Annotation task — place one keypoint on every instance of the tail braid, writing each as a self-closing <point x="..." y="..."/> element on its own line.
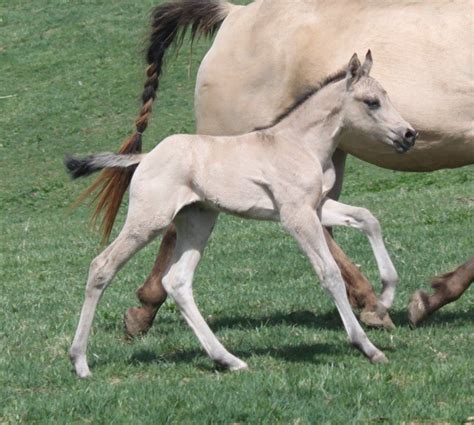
<point x="170" y="22"/>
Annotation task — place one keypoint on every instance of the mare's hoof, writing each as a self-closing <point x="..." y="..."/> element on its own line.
<point x="378" y="358"/>
<point x="136" y="322"/>
<point x="418" y="307"/>
<point x="373" y="320"/>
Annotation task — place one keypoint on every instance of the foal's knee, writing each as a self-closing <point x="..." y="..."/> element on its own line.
<point x="100" y="273"/>
<point x="176" y="284"/>
<point x="332" y="279"/>
<point x="367" y="221"/>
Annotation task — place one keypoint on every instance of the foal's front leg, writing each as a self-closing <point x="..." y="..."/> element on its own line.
<point x="304" y="225"/>
<point x="334" y="213"/>
<point x="194" y="226"/>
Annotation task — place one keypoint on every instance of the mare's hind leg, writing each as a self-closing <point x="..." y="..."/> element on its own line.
<point x="102" y="270"/>
<point x="448" y="288"/>
<point x="335" y="213"/>
<point x="304" y="225"/>
<point x="151" y="294"/>
<point x="194" y="225"/>
<point x="359" y="289"/>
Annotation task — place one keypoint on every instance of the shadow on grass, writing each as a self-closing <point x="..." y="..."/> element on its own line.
<point x="304" y="318"/>
<point x="303" y="353"/>
<point x="439" y="318"/>
<point x="326" y="321"/>
<point x="329" y="320"/>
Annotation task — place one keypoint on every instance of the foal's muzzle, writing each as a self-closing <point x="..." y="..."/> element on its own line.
<point x="405" y="143"/>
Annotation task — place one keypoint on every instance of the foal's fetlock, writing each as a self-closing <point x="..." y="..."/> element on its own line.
<point x="79" y="361"/>
<point x="363" y="344"/>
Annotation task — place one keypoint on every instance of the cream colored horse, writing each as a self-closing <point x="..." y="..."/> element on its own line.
<point x="269" y="52"/>
<point x="280" y="173"/>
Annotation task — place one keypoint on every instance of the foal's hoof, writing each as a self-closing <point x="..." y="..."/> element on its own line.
<point x="136" y="322"/>
<point x="80" y="366"/>
<point x="233" y="364"/>
<point x="83" y="374"/>
<point x="239" y="367"/>
<point x="418" y="307"/>
<point x="378" y="358"/>
<point x="373" y="320"/>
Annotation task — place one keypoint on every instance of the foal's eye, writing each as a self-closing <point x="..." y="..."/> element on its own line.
<point x="372" y="103"/>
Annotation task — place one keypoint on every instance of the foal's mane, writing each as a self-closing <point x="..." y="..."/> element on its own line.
<point x="306" y="95"/>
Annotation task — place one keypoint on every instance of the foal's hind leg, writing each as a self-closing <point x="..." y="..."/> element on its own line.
<point x="304" y="225"/>
<point x="102" y="270"/>
<point x="335" y="213"/>
<point x="194" y="226"/>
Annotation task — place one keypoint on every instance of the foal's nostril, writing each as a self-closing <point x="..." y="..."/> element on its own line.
<point x="410" y="136"/>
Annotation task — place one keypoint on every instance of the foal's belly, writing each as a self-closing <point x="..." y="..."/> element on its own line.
<point x="247" y="201"/>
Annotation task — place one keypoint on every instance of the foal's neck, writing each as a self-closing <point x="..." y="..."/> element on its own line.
<point x="316" y="125"/>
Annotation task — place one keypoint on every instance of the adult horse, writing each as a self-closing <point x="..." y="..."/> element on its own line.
<point x="269" y="52"/>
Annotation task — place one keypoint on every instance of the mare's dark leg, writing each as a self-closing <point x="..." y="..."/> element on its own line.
<point x="359" y="290"/>
<point x="448" y="288"/>
<point x="151" y="294"/>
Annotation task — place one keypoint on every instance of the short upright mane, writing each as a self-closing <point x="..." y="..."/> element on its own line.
<point x="310" y="92"/>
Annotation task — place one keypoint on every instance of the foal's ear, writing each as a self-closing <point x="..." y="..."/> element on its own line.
<point x="367" y="66"/>
<point x="353" y="70"/>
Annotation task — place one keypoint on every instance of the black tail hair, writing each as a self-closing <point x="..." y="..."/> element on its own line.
<point x="80" y="166"/>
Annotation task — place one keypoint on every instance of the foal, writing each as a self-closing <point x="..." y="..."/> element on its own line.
<point x="280" y="173"/>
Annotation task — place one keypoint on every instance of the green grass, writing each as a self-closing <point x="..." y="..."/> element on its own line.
<point x="73" y="72"/>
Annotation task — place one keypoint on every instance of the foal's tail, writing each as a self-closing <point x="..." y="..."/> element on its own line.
<point x="170" y="23"/>
<point x="87" y="165"/>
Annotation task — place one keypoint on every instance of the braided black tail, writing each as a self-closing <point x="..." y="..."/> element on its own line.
<point x="169" y="24"/>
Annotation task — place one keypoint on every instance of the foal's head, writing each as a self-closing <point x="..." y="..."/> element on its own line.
<point x="368" y="110"/>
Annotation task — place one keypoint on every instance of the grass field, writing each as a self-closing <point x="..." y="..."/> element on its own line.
<point x="70" y="79"/>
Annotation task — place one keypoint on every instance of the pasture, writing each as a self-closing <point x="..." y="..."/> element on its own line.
<point x="71" y="75"/>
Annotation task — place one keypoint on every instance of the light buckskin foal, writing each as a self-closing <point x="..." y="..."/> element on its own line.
<point x="280" y="173"/>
